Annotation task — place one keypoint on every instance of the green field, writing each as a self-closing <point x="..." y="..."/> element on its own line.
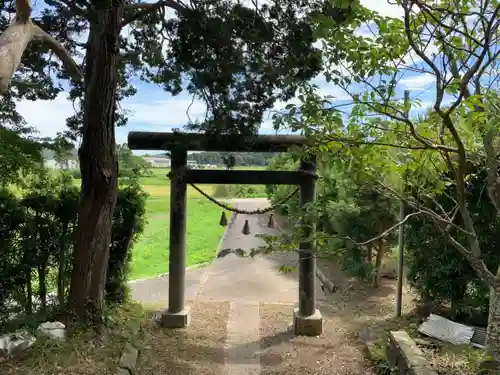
<point x="150" y="253"/>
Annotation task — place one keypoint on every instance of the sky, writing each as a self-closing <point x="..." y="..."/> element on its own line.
<point x="152" y="109"/>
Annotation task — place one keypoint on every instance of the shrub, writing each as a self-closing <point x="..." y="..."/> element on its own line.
<point x="36" y="243"/>
<point x="239" y="191"/>
<point x="128" y="224"/>
<point x="75" y="173"/>
<point x="439" y="272"/>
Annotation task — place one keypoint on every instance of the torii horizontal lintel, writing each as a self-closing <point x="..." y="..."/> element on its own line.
<point x="246" y="177"/>
<point x="223" y="143"/>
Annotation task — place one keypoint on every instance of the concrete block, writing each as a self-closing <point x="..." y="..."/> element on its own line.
<point x="311" y="325"/>
<point x="176" y="320"/>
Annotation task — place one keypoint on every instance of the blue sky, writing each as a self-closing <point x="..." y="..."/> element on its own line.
<point x="154" y="110"/>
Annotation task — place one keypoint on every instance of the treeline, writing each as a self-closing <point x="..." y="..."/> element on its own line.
<point x="240" y="159"/>
<point x="243" y="158"/>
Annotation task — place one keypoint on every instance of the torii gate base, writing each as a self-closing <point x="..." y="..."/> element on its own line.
<point x="307" y="319"/>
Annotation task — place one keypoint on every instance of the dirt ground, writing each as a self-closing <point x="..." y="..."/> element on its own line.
<point x="242" y="315"/>
<point x="202" y="349"/>
<point x="220" y="343"/>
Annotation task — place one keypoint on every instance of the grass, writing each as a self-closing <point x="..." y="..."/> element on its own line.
<point x="80" y="353"/>
<point x="150" y="253"/>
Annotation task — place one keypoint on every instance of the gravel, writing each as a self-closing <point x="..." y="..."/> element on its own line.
<point x="198" y="349"/>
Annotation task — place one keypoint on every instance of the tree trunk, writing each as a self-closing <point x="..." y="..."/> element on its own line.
<point x="29" y="293"/>
<point x="98" y="163"/>
<point x="378" y="266"/>
<point x="13" y="42"/>
<point x="62" y="265"/>
<point x="42" y="285"/>
<point x="493" y="331"/>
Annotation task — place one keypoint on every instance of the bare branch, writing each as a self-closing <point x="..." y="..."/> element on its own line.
<point x="476" y="262"/>
<point x="477" y="64"/>
<point x="13" y="42"/>
<point x="386" y="232"/>
<point x="401" y="117"/>
<point x="142" y="9"/>
<point x="422" y="55"/>
<point x="61" y="52"/>
<point x="15" y="39"/>
<point x="333" y="138"/>
<point x="427" y="9"/>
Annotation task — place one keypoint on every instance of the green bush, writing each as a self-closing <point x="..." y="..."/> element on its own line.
<point x="36" y="243"/>
<point x="75" y="173"/>
<point x="239" y="191"/>
<point x="128" y="224"/>
<point x="344" y="208"/>
<point x="439" y="272"/>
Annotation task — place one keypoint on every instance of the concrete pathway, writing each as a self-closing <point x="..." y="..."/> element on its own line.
<point x="261" y="300"/>
<point x="244" y="282"/>
<point x="232" y="278"/>
<point x="250" y="279"/>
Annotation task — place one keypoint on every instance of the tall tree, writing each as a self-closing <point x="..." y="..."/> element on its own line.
<point x="455" y="46"/>
<point x="240" y="59"/>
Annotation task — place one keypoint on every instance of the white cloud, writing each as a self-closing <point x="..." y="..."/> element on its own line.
<point x="419" y="82"/>
<point x="383" y="7"/>
<point x="47" y="116"/>
<point x="166" y="113"/>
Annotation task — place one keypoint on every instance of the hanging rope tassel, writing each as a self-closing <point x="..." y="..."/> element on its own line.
<point x="270" y="223"/>
<point x="246" y="228"/>
<point x="223" y="219"/>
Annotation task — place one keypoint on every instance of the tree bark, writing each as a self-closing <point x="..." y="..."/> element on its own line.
<point x="98" y="164"/>
<point x="29" y="293"/>
<point x="369" y="257"/>
<point x="42" y="285"/>
<point x="13" y="43"/>
<point x="493" y="330"/>
<point x="61" y="265"/>
<point x="378" y="266"/>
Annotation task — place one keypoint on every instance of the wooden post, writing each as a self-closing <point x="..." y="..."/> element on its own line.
<point x="401" y="237"/>
<point x="307" y="319"/>
<point x="177" y="316"/>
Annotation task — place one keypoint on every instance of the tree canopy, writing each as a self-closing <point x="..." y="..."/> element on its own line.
<point x="239" y="58"/>
<point x="455" y="45"/>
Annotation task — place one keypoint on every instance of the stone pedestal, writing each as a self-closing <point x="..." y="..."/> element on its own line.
<point x="176" y="320"/>
<point x="311" y="325"/>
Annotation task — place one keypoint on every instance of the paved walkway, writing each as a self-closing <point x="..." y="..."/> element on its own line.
<point x="232" y="278"/>
<point x="247" y="285"/>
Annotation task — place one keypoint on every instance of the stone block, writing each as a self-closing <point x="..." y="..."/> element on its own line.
<point x="128" y="358"/>
<point x="311" y="325"/>
<point x="176" y="320"/>
<point x="122" y="371"/>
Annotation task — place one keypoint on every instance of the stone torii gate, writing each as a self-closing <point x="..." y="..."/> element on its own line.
<point x="307" y="319"/>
